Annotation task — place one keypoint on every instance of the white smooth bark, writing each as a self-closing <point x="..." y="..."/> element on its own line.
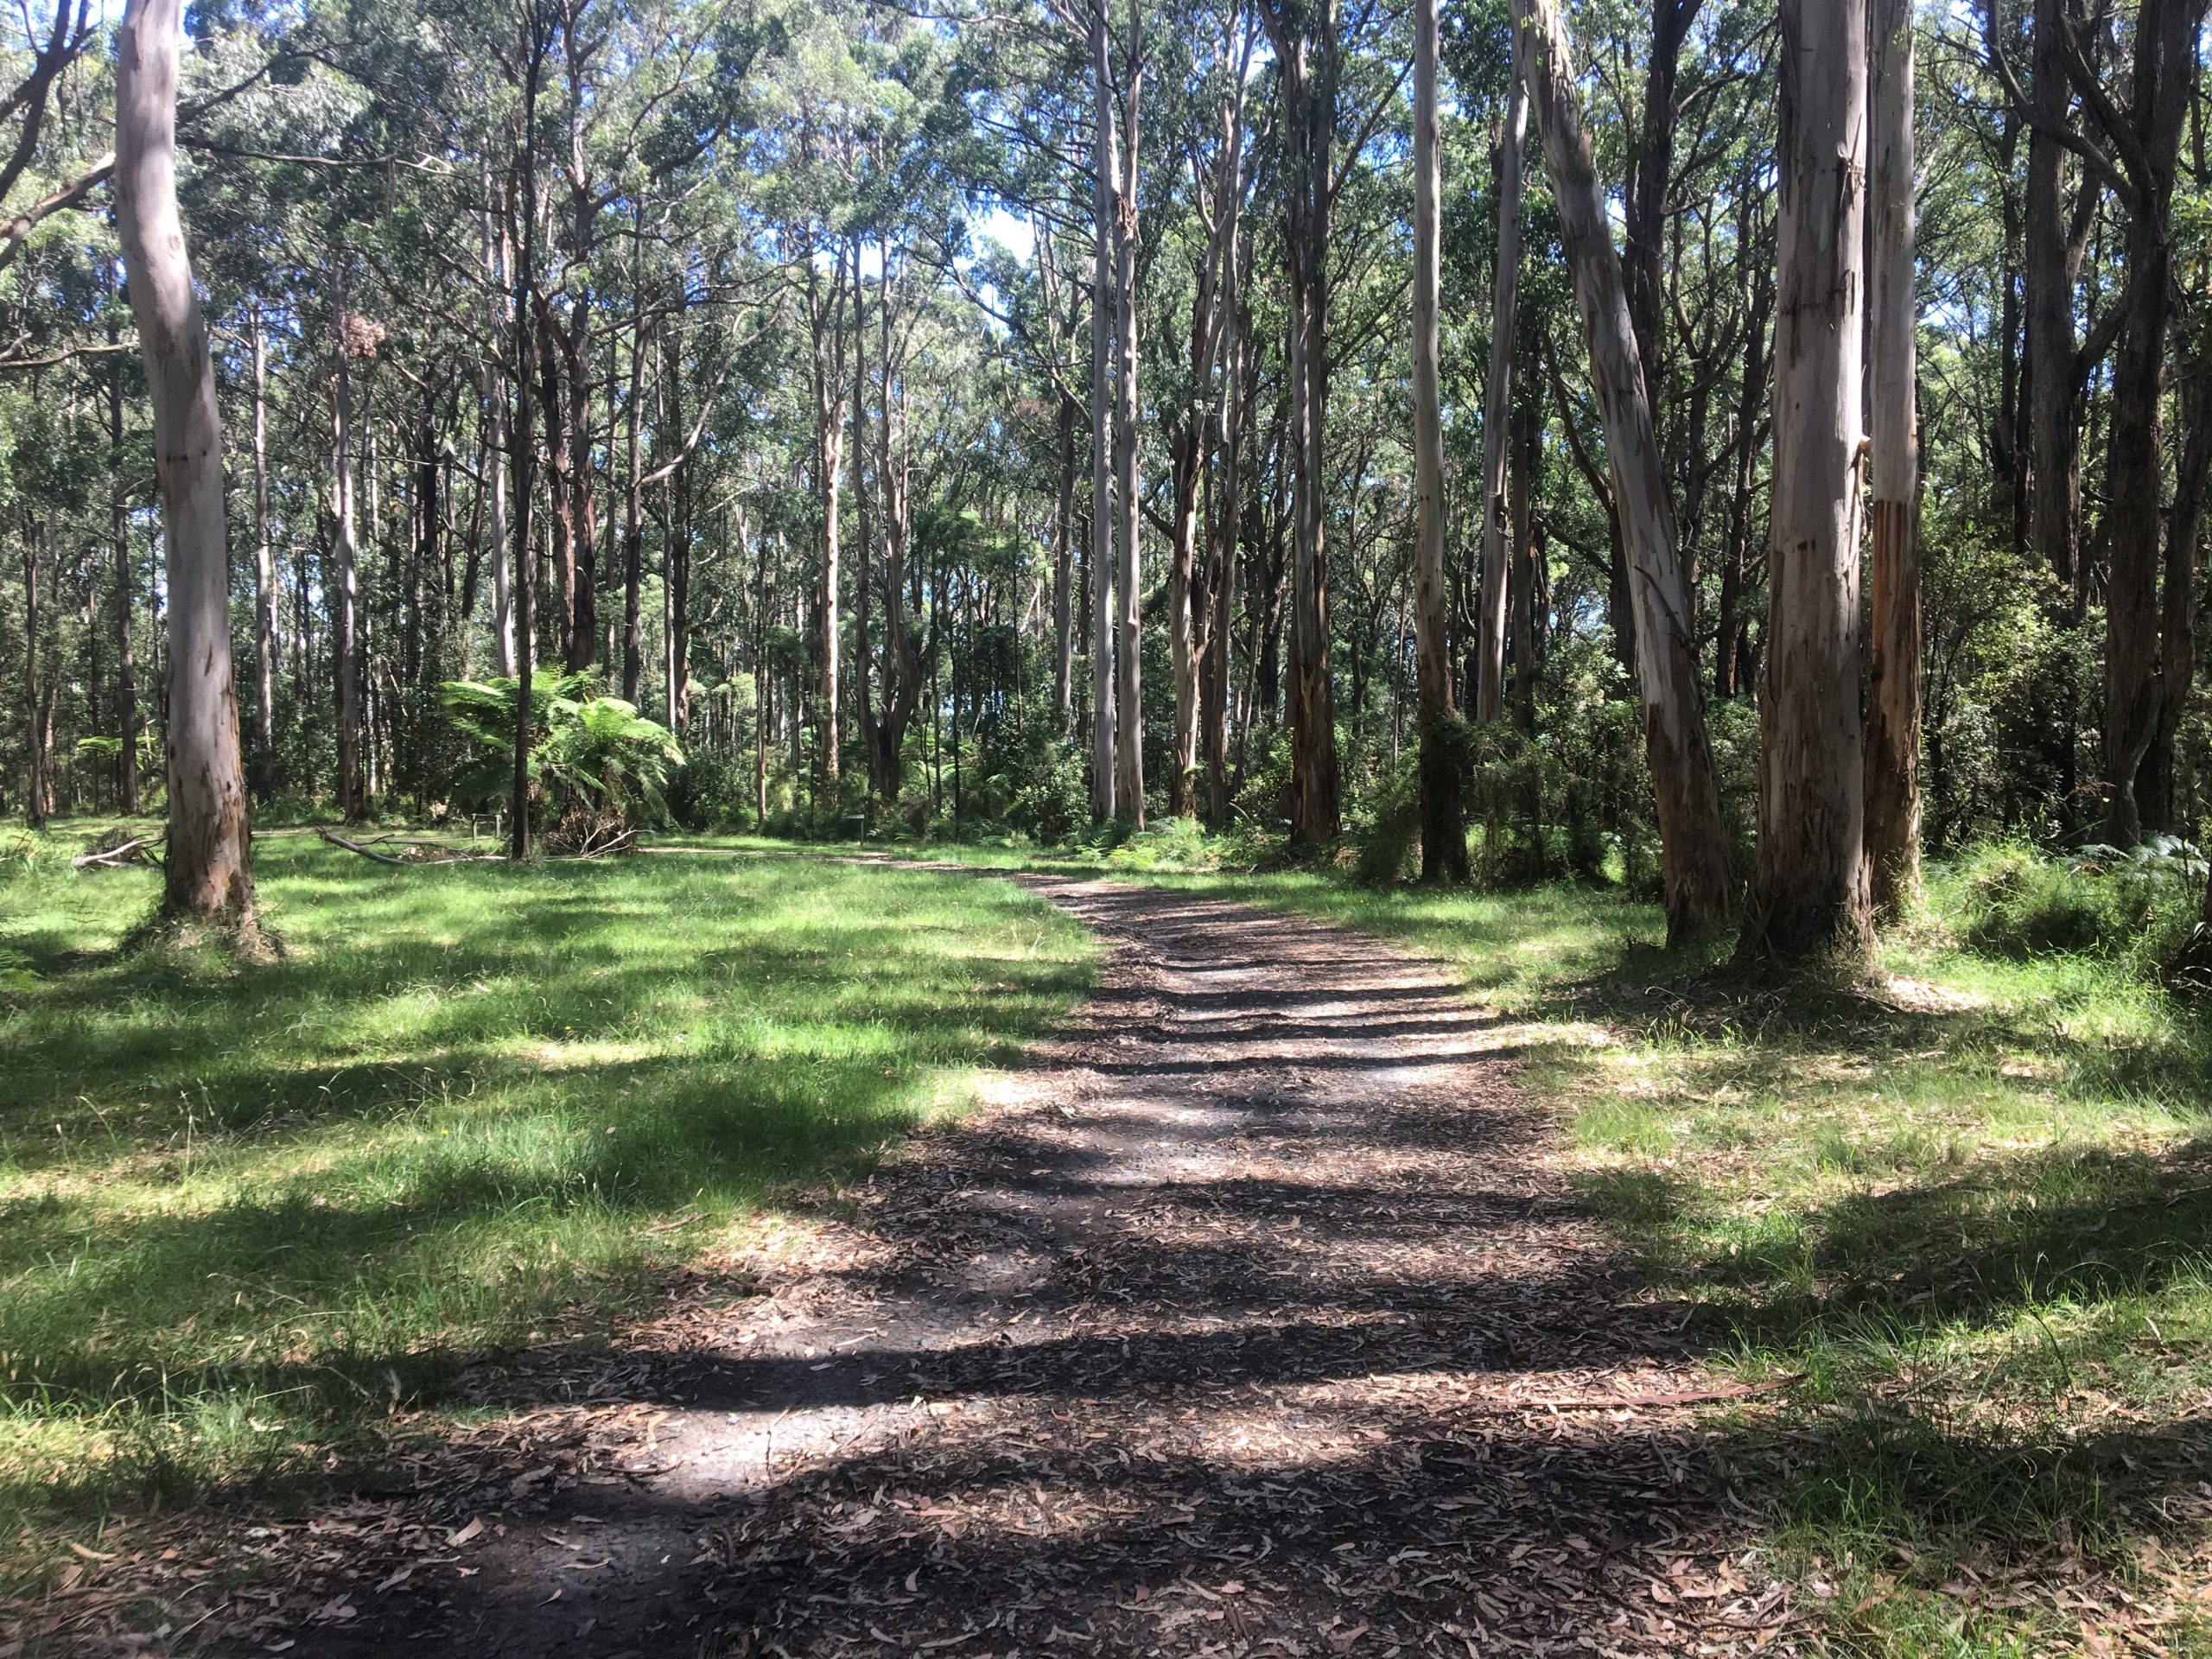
<point x="1103" y="172"/>
<point x="209" y="875"/>
<point x="1693" y="836"/>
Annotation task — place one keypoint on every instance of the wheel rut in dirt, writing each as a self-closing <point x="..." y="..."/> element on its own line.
<point x="1237" y="1321"/>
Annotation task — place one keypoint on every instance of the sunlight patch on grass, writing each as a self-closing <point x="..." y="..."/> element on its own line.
<point x="469" y="1106"/>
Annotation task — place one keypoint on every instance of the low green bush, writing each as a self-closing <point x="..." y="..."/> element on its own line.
<point x="2009" y="899"/>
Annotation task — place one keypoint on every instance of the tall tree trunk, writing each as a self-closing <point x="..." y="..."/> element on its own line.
<point x="1728" y="674"/>
<point x="265" y="574"/>
<point x="1529" y="590"/>
<point x="1104" y="172"/>
<point x="495" y="444"/>
<point x="126" y="666"/>
<point x="2053" y="263"/>
<point x="1062" y="569"/>
<point x="827" y="326"/>
<point x="1443" y="822"/>
<point x="902" y="658"/>
<point x="1186" y="464"/>
<point x="633" y="532"/>
<point x="1128" y="731"/>
<point x="1893" y="657"/>
<point x="863" y="533"/>
<point x="1693" y="841"/>
<point x="1497" y="399"/>
<point x="1228" y="534"/>
<point x="2154" y="787"/>
<point x="2164" y="67"/>
<point x="38" y="783"/>
<point x="1306" y="47"/>
<point x="1809" y="889"/>
<point x="208" y="874"/>
<point x="525" y="455"/>
<point x="346" y="644"/>
<point x="1645" y="221"/>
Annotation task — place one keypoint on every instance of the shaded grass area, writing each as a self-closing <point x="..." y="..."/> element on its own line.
<point x="244" y="1211"/>
<point x="1970" y="1203"/>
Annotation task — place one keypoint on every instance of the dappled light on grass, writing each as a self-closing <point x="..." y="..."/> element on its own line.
<point x="1969" y="1203"/>
<point x="243" y="1212"/>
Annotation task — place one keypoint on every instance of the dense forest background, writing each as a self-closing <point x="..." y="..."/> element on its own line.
<point x="782" y="339"/>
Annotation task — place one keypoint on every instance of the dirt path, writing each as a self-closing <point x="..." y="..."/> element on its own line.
<point x="1229" y="1328"/>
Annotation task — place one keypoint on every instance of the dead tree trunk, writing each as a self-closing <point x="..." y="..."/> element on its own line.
<point x="1694" y="842"/>
<point x="1809" y="890"/>
<point x="208" y="875"/>
<point x="1893" y="656"/>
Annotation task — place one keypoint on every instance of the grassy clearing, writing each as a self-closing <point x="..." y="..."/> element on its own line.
<point x="1972" y="1207"/>
<point x="244" y="1212"/>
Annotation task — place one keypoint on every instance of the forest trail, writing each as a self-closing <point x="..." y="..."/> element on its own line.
<point x="1248" y="1317"/>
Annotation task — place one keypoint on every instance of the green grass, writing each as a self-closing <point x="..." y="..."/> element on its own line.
<point x="1971" y="1203"/>
<point x="246" y="1212"/>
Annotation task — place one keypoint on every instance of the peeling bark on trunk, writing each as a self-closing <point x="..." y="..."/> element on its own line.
<point x="1892" y="753"/>
<point x="1809" y="890"/>
<point x="1693" y="836"/>
<point x="208" y="875"/>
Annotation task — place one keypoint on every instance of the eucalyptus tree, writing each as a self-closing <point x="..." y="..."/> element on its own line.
<point x="1809" y="892"/>
<point x="207" y="875"/>
<point x="1892" y="751"/>
<point x="1694" y="839"/>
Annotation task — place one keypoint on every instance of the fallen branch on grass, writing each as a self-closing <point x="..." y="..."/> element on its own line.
<point x="428" y="852"/>
<point x="594" y="843"/>
<point x="137" y="850"/>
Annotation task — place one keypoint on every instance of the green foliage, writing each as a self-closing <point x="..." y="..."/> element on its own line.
<point x="713" y="791"/>
<point x="1053" y="800"/>
<point x="2009" y="899"/>
<point x="587" y="749"/>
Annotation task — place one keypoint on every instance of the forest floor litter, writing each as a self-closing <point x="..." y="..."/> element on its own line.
<point x="1252" y="1317"/>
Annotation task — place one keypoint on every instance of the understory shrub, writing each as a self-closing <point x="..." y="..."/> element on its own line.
<point x="2010" y="898"/>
